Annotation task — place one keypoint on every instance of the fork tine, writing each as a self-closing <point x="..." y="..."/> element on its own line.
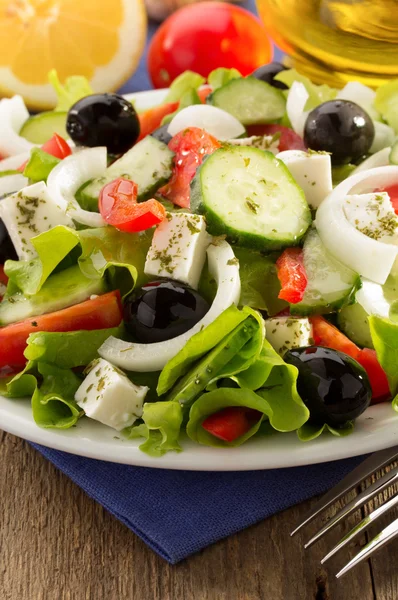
<point x="361" y="526"/>
<point x="380" y="540"/>
<point x="378" y="486"/>
<point x="367" y="467"/>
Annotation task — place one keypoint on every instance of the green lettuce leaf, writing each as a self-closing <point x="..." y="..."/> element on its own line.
<point x="70" y="349"/>
<point x="73" y="89"/>
<point x="40" y="165"/>
<point x="341" y="172"/>
<point x="185" y="82"/>
<point x="386" y="102"/>
<point x="385" y="341"/>
<point x="214" y="401"/>
<point x="317" y="93"/>
<point x="276" y="382"/>
<point x="222" y="76"/>
<point x="103" y="250"/>
<point x="161" y="428"/>
<point x="52" y="391"/>
<point x="198" y="345"/>
<point x="310" y="431"/>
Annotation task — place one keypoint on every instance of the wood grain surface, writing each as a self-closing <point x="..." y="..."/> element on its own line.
<point x="58" y="544"/>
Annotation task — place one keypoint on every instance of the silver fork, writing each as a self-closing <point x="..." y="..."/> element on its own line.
<point x="368" y="467"/>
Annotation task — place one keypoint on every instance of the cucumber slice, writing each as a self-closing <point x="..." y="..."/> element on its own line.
<point x="149" y="164"/>
<point x="331" y="285"/>
<point x="250" y="100"/>
<point x="61" y="290"/>
<point x="353" y="321"/>
<point x="40" y="128"/>
<point x="250" y="196"/>
<point x="393" y="156"/>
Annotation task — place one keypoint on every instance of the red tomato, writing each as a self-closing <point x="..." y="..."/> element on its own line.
<point x="204" y="36"/>
<point x="292" y="275"/>
<point x="326" y="334"/>
<point x="289" y="140"/>
<point x="190" y="147"/>
<point x="100" y="313"/>
<point x="231" y="423"/>
<point x="392" y="191"/>
<point x="3" y="276"/>
<point x="119" y="207"/>
<point x="377" y="377"/>
<point x="56" y="146"/>
<point x="152" y="118"/>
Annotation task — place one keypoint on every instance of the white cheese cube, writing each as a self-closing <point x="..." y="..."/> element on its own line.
<point x="29" y="212"/>
<point x="312" y="171"/>
<point x="108" y="396"/>
<point x="178" y="249"/>
<point x="284" y="333"/>
<point x="373" y="215"/>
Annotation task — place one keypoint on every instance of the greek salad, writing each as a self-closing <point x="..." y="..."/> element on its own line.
<point x="219" y="266"/>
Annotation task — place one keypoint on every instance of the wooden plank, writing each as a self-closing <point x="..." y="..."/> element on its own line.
<point x="56" y="543"/>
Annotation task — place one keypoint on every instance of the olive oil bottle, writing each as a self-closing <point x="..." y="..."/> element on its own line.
<point x="335" y="41"/>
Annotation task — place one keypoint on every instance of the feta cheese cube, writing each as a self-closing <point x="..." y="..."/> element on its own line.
<point x="284" y="333"/>
<point x="28" y="213"/>
<point x="108" y="396"/>
<point x="178" y="249"/>
<point x="373" y="215"/>
<point x="312" y="171"/>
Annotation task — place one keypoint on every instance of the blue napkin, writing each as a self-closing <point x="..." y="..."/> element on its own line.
<point x="177" y="513"/>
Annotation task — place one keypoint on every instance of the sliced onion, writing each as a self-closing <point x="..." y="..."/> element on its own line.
<point x="153" y="357"/>
<point x="69" y="175"/>
<point x="371" y="298"/>
<point x="368" y="257"/>
<point x="362" y="95"/>
<point x="295" y="105"/>
<point x="380" y="159"/>
<point x="384" y="136"/>
<point x="14" y="162"/>
<point x="215" y="121"/>
<point x="13" y="114"/>
<point x="12" y="183"/>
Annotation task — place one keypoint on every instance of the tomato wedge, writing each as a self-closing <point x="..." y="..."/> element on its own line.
<point x="152" y="118"/>
<point x="289" y="140"/>
<point x="99" y="313"/>
<point x="392" y="191"/>
<point x="56" y="146"/>
<point x="292" y="275"/>
<point x="119" y="207"/>
<point x="190" y="147"/>
<point x="231" y="423"/>
<point x="325" y="334"/>
<point x="377" y="377"/>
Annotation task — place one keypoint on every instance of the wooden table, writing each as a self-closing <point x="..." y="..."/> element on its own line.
<point x="57" y="544"/>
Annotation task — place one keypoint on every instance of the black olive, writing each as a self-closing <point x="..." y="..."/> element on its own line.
<point x="162" y="310"/>
<point x="340" y="127"/>
<point x="7" y="250"/>
<point x="267" y="73"/>
<point x="334" y="386"/>
<point x="104" y="120"/>
<point x="162" y="134"/>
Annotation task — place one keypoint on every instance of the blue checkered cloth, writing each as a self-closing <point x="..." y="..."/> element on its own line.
<point x="177" y="513"/>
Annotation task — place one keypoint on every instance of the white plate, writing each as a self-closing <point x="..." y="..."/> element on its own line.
<point x="376" y="429"/>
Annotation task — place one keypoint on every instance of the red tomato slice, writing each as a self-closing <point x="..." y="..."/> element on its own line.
<point x="392" y="191"/>
<point x="100" y="313"/>
<point x="289" y="140"/>
<point x="3" y="276"/>
<point x="326" y="334"/>
<point x="152" y="118"/>
<point x="190" y="147"/>
<point x="56" y="146"/>
<point x="204" y="92"/>
<point x="292" y="275"/>
<point x="231" y="423"/>
<point x="377" y="377"/>
<point x="118" y="207"/>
